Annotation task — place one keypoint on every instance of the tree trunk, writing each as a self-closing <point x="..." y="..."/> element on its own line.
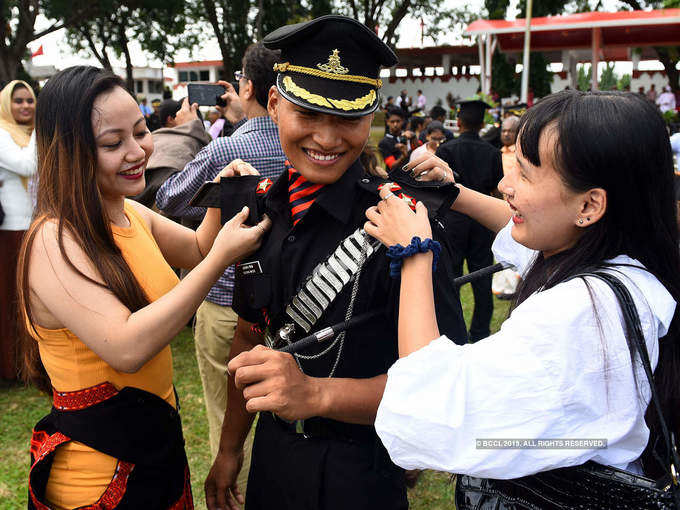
<point x="397" y="16"/>
<point x="669" y="58"/>
<point x="129" y="78"/>
<point x="211" y="12"/>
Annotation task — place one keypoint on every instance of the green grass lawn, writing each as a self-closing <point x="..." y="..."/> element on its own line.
<point x="21" y="408"/>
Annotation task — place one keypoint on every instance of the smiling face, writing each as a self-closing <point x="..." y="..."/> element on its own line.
<point x="22" y="106"/>
<point x="320" y="146"/>
<point x="123" y="144"/>
<point x="546" y="212"/>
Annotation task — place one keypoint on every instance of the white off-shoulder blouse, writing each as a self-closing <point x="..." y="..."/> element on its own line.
<point x="551" y="372"/>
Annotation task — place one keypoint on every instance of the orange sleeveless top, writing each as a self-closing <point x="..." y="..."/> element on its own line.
<point x="80" y="474"/>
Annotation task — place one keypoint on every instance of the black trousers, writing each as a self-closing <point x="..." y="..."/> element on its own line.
<point x="290" y="471"/>
<point x="474" y="243"/>
<point x="479" y="255"/>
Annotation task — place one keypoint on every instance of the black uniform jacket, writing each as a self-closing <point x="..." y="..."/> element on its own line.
<point x="477" y="163"/>
<point x="289" y="254"/>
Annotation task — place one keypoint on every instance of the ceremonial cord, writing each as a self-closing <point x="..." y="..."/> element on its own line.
<point x="398" y="253"/>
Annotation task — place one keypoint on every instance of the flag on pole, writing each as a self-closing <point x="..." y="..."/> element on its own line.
<point x="38" y="52"/>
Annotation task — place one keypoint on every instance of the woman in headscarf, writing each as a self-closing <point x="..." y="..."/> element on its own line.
<point x="17" y="166"/>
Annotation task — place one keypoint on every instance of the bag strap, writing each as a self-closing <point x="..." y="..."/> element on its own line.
<point x="634" y="332"/>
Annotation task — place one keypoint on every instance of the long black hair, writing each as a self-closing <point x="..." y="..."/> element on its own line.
<point x="616" y="141"/>
<point x="68" y="194"/>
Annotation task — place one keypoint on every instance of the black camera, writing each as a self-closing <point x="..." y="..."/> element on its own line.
<point x="402" y="139"/>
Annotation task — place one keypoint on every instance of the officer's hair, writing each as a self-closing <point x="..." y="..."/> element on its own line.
<point x="258" y="67"/>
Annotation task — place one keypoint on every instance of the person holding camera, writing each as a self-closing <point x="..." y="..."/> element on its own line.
<point x="397" y="144"/>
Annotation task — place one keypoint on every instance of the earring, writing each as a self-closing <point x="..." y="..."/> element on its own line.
<point x="588" y="219"/>
<point x="580" y="222"/>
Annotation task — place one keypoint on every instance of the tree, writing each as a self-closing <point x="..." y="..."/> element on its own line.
<point x="156" y="24"/>
<point x="238" y="23"/>
<point x="584" y="81"/>
<point x="609" y="79"/>
<point x="376" y="14"/>
<point x="17" y="29"/>
<point x="503" y="78"/>
<point x="624" y="82"/>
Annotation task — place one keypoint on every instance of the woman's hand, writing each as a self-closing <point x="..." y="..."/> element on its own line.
<point x="428" y="167"/>
<point x="236" y="240"/>
<point x="393" y="222"/>
<point x="236" y="168"/>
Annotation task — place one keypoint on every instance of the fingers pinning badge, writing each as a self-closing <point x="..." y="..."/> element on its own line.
<point x="387" y="191"/>
<point x="392" y="186"/>
<point x="410" y="201"/>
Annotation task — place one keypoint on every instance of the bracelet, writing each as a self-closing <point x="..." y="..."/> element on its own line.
<point x="398" y="253"/>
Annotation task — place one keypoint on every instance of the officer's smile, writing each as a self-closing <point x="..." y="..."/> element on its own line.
<point x="322" y="157"/>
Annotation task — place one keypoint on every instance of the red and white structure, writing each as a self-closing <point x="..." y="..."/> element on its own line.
<point x="590" y="36"/>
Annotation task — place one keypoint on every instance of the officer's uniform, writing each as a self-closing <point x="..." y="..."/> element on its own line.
<point x="322" y="463"/>
<point x="478" y="166"/>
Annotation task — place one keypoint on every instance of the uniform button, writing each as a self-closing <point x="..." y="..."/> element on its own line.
<point x="291" y="239"/>
<point x="365" y="181"/>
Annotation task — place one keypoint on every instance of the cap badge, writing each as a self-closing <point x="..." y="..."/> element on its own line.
<point x="263" y="186"/>
<point x="333" y="65"/>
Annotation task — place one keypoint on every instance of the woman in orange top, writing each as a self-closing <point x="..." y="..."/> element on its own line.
<point x="101" y="303"/>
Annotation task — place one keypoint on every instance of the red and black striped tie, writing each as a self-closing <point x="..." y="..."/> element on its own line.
<point x="301" y="194"/>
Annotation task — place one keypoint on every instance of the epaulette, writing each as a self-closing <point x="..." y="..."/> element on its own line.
<point x="437" y="196"/>
<point x="232" y="193"/>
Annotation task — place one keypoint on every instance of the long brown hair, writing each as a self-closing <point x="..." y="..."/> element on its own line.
<point x="69" y="196"/>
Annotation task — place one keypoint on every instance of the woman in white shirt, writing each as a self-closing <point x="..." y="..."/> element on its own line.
<point x="584" y="194"/>
<point x="17" y="166"/>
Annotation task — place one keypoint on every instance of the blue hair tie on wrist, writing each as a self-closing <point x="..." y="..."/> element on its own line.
<point x="398" y="253"/>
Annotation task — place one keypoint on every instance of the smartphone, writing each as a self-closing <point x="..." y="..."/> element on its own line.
<point x="206" y="94"/>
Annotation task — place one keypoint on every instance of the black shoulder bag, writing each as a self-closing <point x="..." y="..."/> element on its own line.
<point x="591" y="485"/>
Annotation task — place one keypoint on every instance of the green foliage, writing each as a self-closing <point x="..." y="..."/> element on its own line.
<point x="496" y="8"/>
<point x="238" y="23"/>
<point x="624" y="82"/>
<point x="159" y="26"/>
<point x="453" y="21"/>
<point x="608" y="79"/>
<point x="670" y="116"/>
<point x="584" y="77"/>
<point x="504" y="80"/>
<point x="543" y="7"/>
<point x="540" y="76"/>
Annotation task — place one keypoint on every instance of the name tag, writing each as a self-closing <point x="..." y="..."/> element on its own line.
<point x="249" y="268"/>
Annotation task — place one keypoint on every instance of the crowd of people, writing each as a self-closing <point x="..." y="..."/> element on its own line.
<point x="306" y="232"/>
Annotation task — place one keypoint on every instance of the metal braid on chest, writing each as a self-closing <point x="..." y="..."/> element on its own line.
<point x="329" y="278"/>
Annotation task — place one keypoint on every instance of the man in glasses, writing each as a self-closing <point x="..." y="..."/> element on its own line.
<point x="255" y="141"/>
